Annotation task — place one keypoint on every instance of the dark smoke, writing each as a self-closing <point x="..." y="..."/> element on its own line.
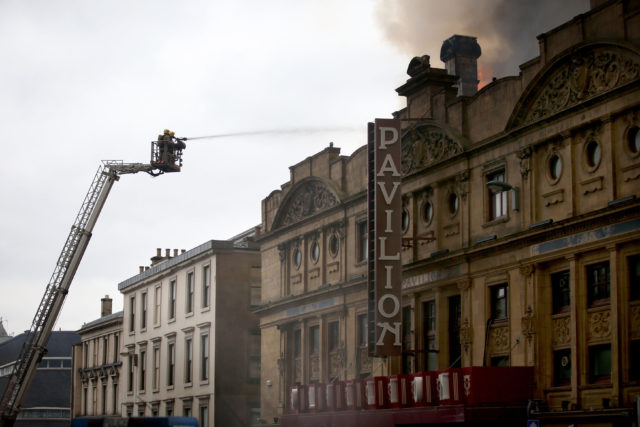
<point x="506" y="29"/>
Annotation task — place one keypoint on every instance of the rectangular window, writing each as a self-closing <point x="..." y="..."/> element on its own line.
<point x="132" y="314"/>
<point x="204" y="357"/>
<point x="104" y="399"/>
<point x="455" y="319"/>
<point x="334" y="336"/>
<point x="157" y="305"/>
<point x="497" y="198"/>
<point x="114" y="400"/>
<point x="190" y="285"/>
<point x="172" y="299"/>
<point x="314" y="340"/>
<point x="204" y="416"/>
<point x="206" y="286"/>
<point x="633" y="263"/>
<point x="600" y="363"/>
<point x="562" y="367"/>
<point x="143" y="311"/>
<point x="130" y="376"/>
<point x="598" y="283"/>
<point x="430" y="338"/>
<point x="105" y="349"/>
<point x="188" y="360"/>
<point x="156" y="368"/>
<point x="560" y="290"/>
<point x="254" y="369"/>
<point x="142" y="370"/>
<point x="407" y="341"/>
<point x="362" y="330"/>
<point x="86" y="355"/>
<point x="116" y="347"/>
<point x="500" y="361"/>
<point x="634" y="356"/>
<point x="297" y="343"/>
<point x="362" y="240"/>
<point x="171" y="363"/>
<point x="499" y="302"/>
<point x="186" y="411"/>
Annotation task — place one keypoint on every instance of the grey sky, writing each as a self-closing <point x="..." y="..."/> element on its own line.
<point x="87" y="80"/>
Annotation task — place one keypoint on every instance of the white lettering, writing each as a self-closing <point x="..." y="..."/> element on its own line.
<point x="389" y="269"/>
<point x="383" y="136"/>
<point x="388" y="197"/>
<point x="383" y="256"/>
<point x="396" y="305"/>
<point x="388" y="166"/>
<point x="389" y="213"/>
<point x="386" y="327"/>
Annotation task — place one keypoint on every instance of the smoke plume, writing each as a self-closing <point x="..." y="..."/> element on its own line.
<point x="506" y="29"/>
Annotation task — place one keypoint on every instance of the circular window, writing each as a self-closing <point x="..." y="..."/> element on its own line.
<point x="555" y="167"/>
<point x="633" y="140"/>
<point x="405" y="220"/>
<point x="593" y="154"/>
<point x="315" y="251"/>
<point x="453" y="203"/>
<point x="297" y="257"/>
<point x="427" y="212"/>
<point x="334" y="245"/>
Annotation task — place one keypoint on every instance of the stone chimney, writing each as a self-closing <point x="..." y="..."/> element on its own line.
<point x="460" y="54"/>
<point x="106" y="306"/>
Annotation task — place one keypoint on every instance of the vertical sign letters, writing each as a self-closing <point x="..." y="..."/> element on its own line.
<point x="388" y="238"/>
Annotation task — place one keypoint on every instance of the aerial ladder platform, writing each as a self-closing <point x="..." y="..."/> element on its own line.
<point x="166" y="157"/>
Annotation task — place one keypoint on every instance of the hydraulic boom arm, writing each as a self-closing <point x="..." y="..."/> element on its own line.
<point x="167" y="158"/>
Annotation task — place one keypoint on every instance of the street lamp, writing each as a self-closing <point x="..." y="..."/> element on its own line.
<point x="497" y="186"/>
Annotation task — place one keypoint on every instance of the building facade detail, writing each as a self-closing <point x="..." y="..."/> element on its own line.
<point x="181" y="317"/>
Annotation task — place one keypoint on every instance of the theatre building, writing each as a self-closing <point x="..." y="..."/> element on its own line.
<point x="521" y="230"/>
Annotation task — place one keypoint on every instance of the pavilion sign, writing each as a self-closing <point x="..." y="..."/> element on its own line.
<point x="387" y="237"/>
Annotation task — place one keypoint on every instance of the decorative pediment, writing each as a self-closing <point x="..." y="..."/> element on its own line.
<point x="306" y="199"/>
<point x="576" y="77"/>
<point x="425" y="145"/>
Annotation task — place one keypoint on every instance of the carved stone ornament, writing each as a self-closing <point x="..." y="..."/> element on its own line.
<point x="466" y="334"/>
<point x="314" y="373"/>
<point x="499" y="339"/>
<point x="528" y="324"/>
<point x="635" y="321"/>
<point x="561" y="331"/>
<point x="426" y="145"/>
<point x="527" y="269"/>
<point x="281" y="364"/>
<point x="282" y="251"/>
<point x="599" y="325"/>
<point x="579" y="77"/>
<point x="525" y="161"/>
<point x="309" y="199"/>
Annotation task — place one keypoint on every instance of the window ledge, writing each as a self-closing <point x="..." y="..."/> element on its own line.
<point x="496" y="221"/>
<point x="558" y="388"/>
<point x="190" y="314"/>
<point x="596" y="386"/>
